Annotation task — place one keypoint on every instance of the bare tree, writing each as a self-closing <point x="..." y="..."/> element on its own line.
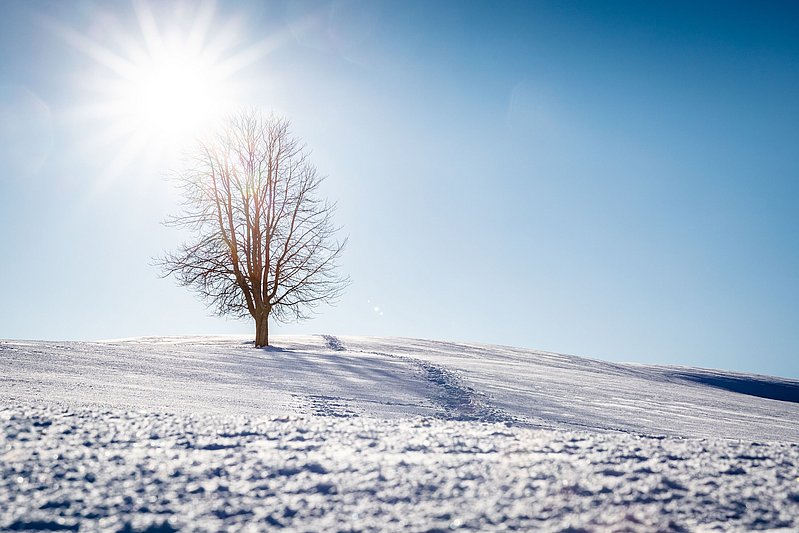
<point x="265" y="242"/>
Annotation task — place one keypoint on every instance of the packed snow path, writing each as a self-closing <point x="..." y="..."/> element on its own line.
<point x="456" y="401"/>
<point x="329" y="433"/>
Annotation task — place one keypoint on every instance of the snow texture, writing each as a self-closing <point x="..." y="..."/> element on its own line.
<point x="327" y="433"/>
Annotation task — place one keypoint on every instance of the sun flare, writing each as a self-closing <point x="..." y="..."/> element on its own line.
<point x="159" y="80"/>
<point x="172" y="95"/>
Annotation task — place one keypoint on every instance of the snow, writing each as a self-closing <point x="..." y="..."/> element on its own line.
<point x="324" y="432"/>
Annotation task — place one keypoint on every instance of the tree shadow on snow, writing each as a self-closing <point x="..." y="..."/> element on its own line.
<point x="270" y="348"/>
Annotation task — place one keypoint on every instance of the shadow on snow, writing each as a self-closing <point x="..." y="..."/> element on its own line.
<point x="786" y="391"/>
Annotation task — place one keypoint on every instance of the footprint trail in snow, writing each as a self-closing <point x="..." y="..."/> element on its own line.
<point x="455" y="400"/>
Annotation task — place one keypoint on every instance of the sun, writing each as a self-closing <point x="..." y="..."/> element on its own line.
<point x="158" y="80"/>
<point x="172" y="94"/>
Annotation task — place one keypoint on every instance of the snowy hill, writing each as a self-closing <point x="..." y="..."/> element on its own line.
<point x="324" y="432"/>
<point x="390" y="378"/>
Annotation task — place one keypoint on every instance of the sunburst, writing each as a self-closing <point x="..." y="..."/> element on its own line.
<point x="163" y="81"/>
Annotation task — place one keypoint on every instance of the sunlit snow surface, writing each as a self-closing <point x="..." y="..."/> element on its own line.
<point x="339" y="433"/>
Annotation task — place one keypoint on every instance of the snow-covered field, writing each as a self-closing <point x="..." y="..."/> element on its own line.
<point x="325" y="433"/>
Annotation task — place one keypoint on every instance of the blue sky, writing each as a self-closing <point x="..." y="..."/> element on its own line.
<point x="615" y="180"/>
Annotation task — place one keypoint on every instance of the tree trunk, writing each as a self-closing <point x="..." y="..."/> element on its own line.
<point x="262" y="330"/>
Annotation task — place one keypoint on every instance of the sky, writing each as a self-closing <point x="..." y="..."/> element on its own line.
<point x="616" y="180"/>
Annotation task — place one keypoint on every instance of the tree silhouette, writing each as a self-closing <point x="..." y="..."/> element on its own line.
<point x="265" y="241"/>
